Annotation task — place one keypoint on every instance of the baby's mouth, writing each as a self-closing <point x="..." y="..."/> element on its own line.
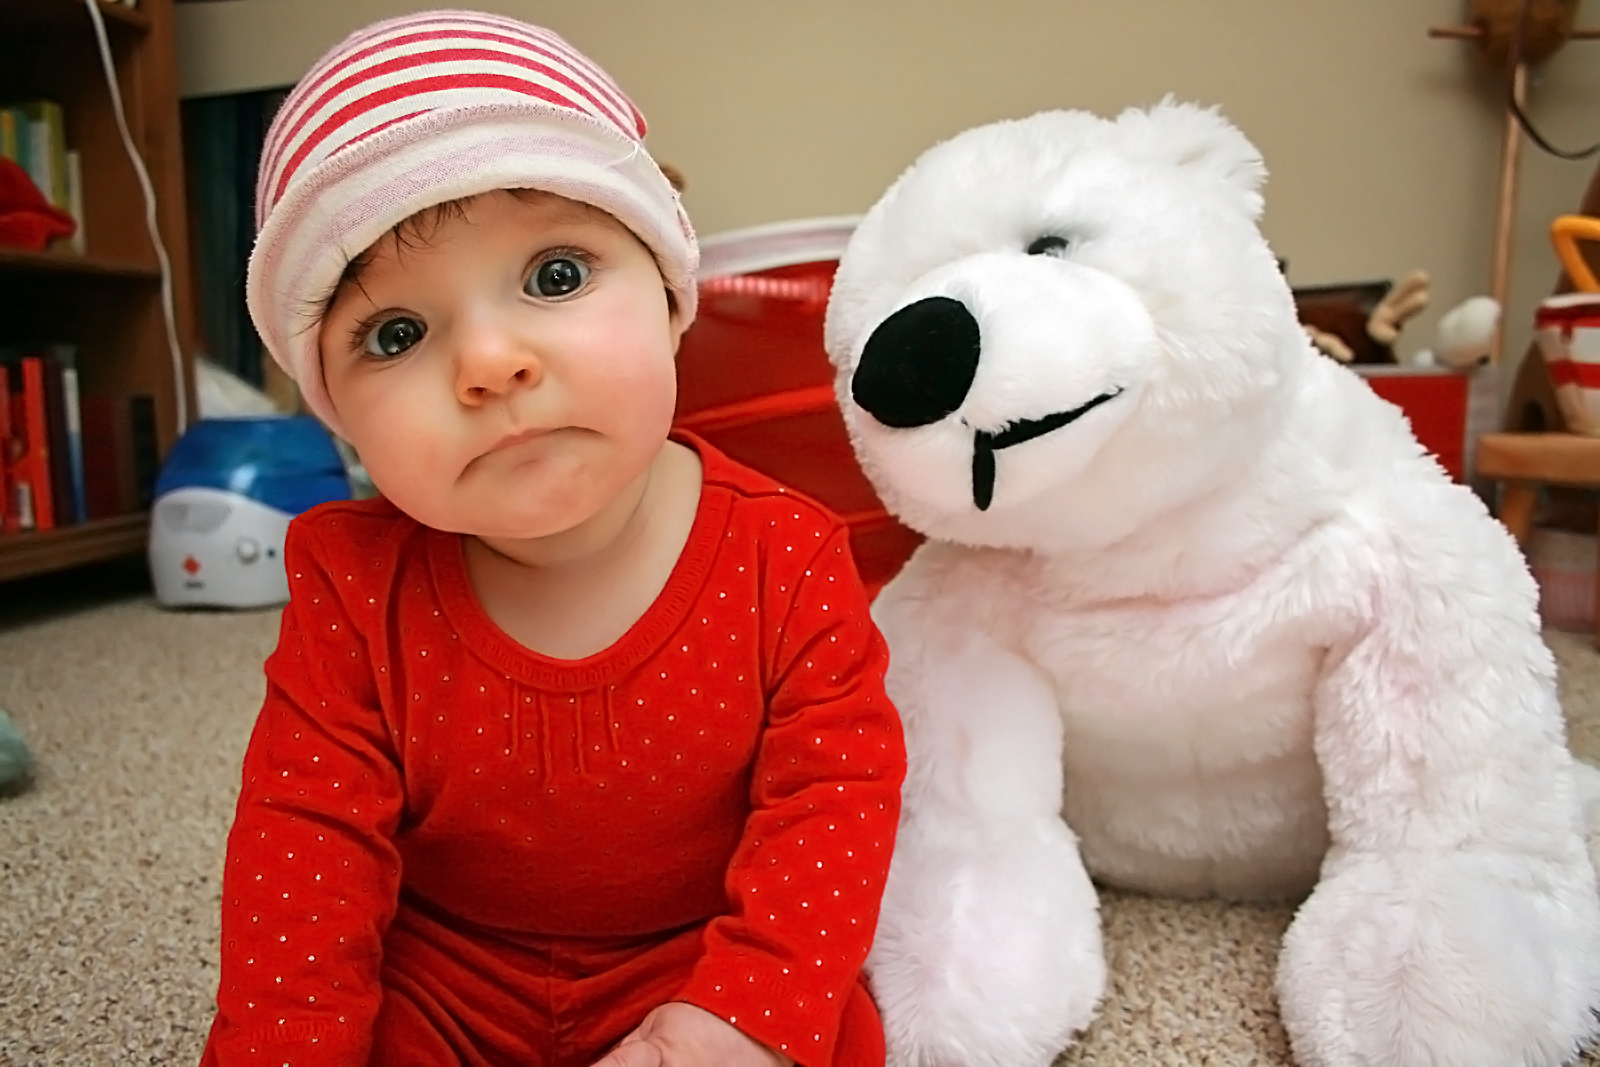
<point x="517" y="437"/>
<point x="986" y="444"/>
<point x="507" y="443"/>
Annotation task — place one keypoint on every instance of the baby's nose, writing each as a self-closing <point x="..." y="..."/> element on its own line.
<point x="490" y="363"/>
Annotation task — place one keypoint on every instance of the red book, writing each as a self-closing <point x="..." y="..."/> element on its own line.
<point x="32" y="468"/>
<point x="107" y="457"/>
<point x="10" y="520"/>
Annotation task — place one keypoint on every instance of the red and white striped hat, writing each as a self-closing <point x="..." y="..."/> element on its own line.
<point x="419" y="110"/>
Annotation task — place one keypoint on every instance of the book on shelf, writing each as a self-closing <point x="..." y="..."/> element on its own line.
<point x="66" y="437"/>
<point x="109" y="483"/>
<point x="16" y="140"/>
<point x="55" y="417"/>
<point x="48" y="130"/>
<point x="73" y="407"/>
<point x="8" y="136"/>
<point x="67" y="457"/>
<point x="77" y="244"/>
<point x="28" y="459"/>
<point x="10" y="521"/>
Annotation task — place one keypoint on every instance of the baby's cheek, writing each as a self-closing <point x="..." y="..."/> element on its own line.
<point x="409" y="477"/>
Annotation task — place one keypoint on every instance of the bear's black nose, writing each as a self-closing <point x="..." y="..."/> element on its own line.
<point x="918" y="364"/>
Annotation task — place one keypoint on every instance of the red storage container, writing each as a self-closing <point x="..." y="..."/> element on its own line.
<point x="755" y="381"/>
<point x="1436" y="402"/>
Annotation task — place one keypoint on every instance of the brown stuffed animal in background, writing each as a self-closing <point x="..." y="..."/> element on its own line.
<point x="1401" y="303"/>
<point x="1359" y="323"/>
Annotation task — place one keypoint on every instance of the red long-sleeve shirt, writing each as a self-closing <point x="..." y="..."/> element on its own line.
<point x="730" y="763"/>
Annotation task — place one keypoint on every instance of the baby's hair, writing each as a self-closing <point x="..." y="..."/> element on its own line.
<point x="413" y="231"/>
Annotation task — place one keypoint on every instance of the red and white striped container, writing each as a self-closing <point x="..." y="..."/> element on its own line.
<point x="1567" y="330"/>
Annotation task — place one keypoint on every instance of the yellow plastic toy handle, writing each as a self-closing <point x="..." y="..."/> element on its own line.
<point x="1565" y="233"/>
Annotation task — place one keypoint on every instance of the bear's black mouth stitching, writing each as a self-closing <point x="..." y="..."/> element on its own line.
<point x="986" y="444"/>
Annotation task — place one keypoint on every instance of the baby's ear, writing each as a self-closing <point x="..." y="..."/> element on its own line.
<point x="675" y="321"/>
<point x="1197" y="140"/>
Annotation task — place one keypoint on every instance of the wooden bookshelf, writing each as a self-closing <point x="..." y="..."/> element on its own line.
<point x="70" y="546"/>
<point x="35" y="17"/>
<point x="107" y="303"/>
<point x="21" y="261"/>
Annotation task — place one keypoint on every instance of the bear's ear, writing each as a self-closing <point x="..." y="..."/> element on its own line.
<point x="1199" y="140"/>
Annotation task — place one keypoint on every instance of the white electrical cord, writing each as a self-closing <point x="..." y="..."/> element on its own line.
<point x="180" y="395"/>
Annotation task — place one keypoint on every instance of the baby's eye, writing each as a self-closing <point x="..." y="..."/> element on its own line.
<point x="393" y="337"/>
<point x="561" y="276"/>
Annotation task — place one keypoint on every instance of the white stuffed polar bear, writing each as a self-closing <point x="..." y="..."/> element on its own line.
<point x="1197" y="616"/>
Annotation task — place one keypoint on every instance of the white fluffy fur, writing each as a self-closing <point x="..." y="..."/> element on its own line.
<point x="1230" y="633"/>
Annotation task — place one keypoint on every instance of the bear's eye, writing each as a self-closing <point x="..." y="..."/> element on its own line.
<point x="1049" y="245"/>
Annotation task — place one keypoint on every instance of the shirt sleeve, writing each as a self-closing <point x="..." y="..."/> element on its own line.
<point x="312" y="875"/>
<point x="807" y="877"/>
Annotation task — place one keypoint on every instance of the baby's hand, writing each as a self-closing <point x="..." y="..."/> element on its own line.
<point x="682" y="1035"/>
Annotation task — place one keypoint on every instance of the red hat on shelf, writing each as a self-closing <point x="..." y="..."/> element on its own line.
<point x="27" y="219"/>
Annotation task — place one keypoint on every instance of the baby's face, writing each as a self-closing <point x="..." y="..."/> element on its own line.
<point x="512" y="373"/>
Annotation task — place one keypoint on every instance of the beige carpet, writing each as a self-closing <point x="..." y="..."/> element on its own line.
<point x="109" y="863"/>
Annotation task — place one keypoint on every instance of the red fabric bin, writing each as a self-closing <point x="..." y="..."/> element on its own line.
<point x="1435" y="400"/>
<point x="755" y="381"/>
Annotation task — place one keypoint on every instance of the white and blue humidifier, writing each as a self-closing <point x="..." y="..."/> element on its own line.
<point x="223" y="502"/>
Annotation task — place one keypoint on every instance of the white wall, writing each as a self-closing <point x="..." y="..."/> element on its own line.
<point x="1383" y="144"/>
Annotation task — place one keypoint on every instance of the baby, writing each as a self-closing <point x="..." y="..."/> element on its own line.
<point x="575" y="748"/>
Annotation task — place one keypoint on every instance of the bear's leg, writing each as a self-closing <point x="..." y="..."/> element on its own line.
<point x="1457" y="919"/>
<point x="988" y="948"/>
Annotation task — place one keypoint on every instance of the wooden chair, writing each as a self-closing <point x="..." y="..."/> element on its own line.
<point x="1523" y="463"/>
<point x="1539" y="450"/>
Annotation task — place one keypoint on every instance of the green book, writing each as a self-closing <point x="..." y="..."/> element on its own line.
<point x="22" y="142"/>
<point x="49" y="131"/>
<point x="8" y="134"/>
<point x="21" y="152"/>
